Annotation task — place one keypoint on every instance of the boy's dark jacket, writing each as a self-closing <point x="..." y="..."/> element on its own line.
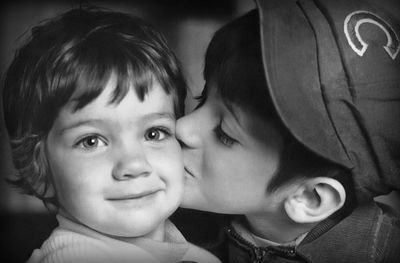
<point x="371" y="233"/>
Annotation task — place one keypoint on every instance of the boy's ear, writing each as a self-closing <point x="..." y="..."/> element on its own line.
<point x="314" y="200"/>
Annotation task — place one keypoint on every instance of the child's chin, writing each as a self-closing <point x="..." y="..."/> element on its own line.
<point x="139" y="231"/>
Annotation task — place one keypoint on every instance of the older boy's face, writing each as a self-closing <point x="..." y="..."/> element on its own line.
<point x="117" y="168"/>
<point x="229" y="158"/>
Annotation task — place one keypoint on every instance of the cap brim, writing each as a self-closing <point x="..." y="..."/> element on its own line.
<point x="291" y="65"/>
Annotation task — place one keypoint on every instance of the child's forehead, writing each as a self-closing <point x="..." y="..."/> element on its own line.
<point x="111" y="87"/>
<point x="103" y="112"/>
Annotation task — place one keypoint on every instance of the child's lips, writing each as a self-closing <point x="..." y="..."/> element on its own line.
<point x="133" y="196"/>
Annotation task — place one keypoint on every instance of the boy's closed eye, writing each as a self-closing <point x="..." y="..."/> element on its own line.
<point x="223" y="137"/>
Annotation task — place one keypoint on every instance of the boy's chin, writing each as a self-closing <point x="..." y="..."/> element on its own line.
<point x="192" y="203"/>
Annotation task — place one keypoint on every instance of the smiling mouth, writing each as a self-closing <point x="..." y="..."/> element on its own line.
<point x="133" y="196"/>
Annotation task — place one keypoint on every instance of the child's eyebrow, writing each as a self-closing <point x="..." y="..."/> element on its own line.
<point x="159" y="115"/>
<point x="146" y="118"/>
<point x="80" y="123"/>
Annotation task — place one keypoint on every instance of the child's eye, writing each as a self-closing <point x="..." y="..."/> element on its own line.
<point x="91" y="142"/>
<point x="201" y="99"/>
<point x="223" y="137"/>
<point x="157" y="134"/>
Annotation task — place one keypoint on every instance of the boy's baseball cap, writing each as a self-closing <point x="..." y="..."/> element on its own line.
<point x="333" y="71"/>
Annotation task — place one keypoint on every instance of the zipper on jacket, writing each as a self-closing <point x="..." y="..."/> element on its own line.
<point x="258" y="253"/>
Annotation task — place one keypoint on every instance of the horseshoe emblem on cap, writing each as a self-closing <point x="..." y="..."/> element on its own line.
<point x="352" y="24"/>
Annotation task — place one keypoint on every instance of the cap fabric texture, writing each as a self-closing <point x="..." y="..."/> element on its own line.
<point x="333" y="72"/>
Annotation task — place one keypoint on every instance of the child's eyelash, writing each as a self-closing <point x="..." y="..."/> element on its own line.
<point x="90" y="142"/>
<point x="201" y="99"/>
<point x="223" y="137"/>
<point x="163" y="133"/>
<point x="165" y="130"/>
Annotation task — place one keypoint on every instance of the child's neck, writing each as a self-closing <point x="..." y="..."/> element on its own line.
<point x="158" y="234"/>
<point x="277" y="227"/>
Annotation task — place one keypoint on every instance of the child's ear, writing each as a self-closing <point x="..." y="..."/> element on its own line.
<point x="315" y="199"/>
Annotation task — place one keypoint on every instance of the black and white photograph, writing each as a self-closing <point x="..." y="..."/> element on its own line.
<point x="171" y="131"/>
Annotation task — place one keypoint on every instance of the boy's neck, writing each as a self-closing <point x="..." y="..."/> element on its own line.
<point x="276" y="227"/>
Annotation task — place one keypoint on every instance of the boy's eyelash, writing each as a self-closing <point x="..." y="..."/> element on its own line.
<point x="223" y="137"/>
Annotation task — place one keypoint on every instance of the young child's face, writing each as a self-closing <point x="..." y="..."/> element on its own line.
<point x="117" y="168"/>
<point x="229" y="158"/>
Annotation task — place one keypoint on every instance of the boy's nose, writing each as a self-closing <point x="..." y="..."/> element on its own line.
<point x="131" y="164"/>
<point x="187" y="132"/>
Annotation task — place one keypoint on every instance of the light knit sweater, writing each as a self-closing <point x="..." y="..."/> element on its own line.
<point x="72" y="242"/>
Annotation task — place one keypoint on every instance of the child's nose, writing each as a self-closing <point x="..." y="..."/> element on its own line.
<point x="187" y="132"/>
<point x="131" y="164"/>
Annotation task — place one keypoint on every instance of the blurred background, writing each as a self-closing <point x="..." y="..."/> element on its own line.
<point x="188" y="26"/>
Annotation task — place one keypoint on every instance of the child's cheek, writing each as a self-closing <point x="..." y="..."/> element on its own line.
<point x="168" y="159"/>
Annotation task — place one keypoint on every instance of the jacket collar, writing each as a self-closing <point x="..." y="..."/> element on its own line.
<point x="339" y="239"/>
<point x="343" y="237"/>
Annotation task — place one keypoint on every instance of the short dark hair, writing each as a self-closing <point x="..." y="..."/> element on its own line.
<point x="234" y="64"/>
<point x="74" y="55"/>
